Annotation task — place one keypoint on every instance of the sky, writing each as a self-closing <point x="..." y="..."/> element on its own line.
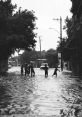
<point x="45" y="11"/>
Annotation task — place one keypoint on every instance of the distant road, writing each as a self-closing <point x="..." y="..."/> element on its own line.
<point x="14" y="69"/>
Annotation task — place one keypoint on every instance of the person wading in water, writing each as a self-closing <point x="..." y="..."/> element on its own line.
<point x="55" y="71"/>
<point x="46" y="70"/>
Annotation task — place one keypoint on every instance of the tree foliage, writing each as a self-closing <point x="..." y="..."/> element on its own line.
<point x="68" y="27"/>
<point x="74" y="31"/>
<point x="16" y="29"/>
<point x="76" y="8"/>
<point x="52" y="58"/>
<point x="28" y="56"/>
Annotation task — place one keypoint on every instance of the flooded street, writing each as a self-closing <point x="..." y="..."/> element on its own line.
<point x="22" y="96"/>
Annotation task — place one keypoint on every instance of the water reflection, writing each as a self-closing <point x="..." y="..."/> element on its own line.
<point x="48" y="99"/>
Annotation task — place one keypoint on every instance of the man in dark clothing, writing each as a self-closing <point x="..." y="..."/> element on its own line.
<point x="28" y="70"/>
<point x="55" y="71"/>
<point x="32" y="70"/>
<point x="46" y="70"/>
<point x="21" y="69"/>
<point x="25" y="67"/>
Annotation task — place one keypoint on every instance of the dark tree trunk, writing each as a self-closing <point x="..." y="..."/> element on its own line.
<point x="3" y="67"/>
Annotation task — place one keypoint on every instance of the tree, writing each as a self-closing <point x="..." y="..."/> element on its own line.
<point x="28" y="56"/>
<point x="52" y="58"/>
<point x="73" y="45"/>
<point x="16" y="30"/>
<point x="76" y="8"/>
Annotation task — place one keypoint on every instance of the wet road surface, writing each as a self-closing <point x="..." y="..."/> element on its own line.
<point x="38" y="96"/>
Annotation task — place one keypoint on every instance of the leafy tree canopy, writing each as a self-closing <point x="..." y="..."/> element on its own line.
<point x="16" y="29"/>
<point x="28" y="56"/>
<point x="76" y="7"/>
<point x="52" y="57"/>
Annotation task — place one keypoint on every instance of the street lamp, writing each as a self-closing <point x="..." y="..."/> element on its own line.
<point x="55" y="30"/>
<point x="60" y="19"/>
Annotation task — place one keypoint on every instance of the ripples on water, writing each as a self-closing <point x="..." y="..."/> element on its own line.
<point x="37" y="95"/>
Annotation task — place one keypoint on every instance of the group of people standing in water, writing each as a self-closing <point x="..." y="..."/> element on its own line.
<point x="27" y="69"/>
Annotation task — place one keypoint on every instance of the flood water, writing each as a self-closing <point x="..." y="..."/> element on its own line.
<point x="39" y="96"/>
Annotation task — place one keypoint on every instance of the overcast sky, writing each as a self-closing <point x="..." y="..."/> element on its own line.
<point x="45" y="11"/>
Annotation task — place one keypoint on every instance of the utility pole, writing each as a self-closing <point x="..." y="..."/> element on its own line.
<point x="60" y="40"/>
<point x="40" y="45"/>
